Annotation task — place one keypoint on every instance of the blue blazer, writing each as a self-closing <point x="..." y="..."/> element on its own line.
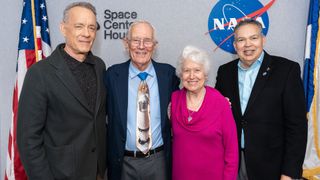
<point x="116" y="81"/>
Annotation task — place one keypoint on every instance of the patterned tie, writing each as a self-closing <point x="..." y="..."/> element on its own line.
<point x="143" y="130"/>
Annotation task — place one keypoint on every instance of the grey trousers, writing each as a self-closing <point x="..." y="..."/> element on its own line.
<point x="149" y="168"/>
<point x="243" y="170"/>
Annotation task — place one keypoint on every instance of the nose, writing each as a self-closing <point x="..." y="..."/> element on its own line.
<point x="85" y="32"/>
<point x="247" y="42"/>
<point x="191" y="74"/>
<point x="141" y="44"/>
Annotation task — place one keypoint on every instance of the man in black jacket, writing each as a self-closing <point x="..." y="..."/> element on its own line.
<point x="268" y="105"/>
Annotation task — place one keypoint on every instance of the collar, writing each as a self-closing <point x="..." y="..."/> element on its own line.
<point x="255" y="64"/>
<point x="133" y="71"/>
<point x="75" y="63"/>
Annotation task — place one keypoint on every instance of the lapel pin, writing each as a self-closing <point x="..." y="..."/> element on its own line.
<point x="266" y="72"/>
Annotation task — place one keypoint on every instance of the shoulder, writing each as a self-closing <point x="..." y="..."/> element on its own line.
<point x="215" y="96"/>
<point x="229" y="65"/>
<point x="282" y="60"/>
<point x="48" y="62"/>
<point x="214" y="93"/>
<point x="44" y="64"/>
<point x="118" y="67"/>
<point x="176" y="97"/>
<point x="177" y="93"/>
<point x="163" y="67"/>
<point x="284" y="64"/>
<point x="99" y="61"/>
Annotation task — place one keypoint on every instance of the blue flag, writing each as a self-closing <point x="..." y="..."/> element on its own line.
<point x="311" y="166"/>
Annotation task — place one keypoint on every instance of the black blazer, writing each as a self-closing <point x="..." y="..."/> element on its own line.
<point x="274" y="122"/>
<point x="116" y="80"/>
<point x="59" y="137"/>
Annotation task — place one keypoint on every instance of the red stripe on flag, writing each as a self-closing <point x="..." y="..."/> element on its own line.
<point x="39" y="43"/>
<point x="9" y="146"/>
<point x="14" y="169"/>
<point x="5" y="176"/>
<point x="30" y="57"/>
<point x="19" y="172"/>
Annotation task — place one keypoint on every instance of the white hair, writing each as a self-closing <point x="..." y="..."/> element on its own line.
<point x="196" y="55"/>
<point x="129" y="33"/>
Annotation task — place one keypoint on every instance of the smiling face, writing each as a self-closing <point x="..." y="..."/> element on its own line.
<point x="79" y="31"/>
<point x="193" y="76"/>
<point x="248" y="43"/>
<point x="141" y="45"/>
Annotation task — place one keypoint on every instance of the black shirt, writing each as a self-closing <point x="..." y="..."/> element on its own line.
<point x="85" y="75"/>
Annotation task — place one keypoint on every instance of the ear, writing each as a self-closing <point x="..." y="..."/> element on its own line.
<point x="263" y="40"/>
<point x="63" y="29"/>
<point x="125" y="43"/>
<point x="155" y="44"/>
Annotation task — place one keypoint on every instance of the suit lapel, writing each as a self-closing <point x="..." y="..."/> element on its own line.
<point x="122" y="92"/>
<point x="262" y="77"/>
<point x="163" y="89"/>
<point x="99" y="93"/>
<point x="235" y="89"/>
<point x="65" y="75"/>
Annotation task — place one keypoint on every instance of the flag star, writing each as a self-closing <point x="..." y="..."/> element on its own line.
<point x="42" y="6"/>
<point x="24" y="3"/>
<point x="44" y="18"/>
<point x="24" y="21"/>
<point x="47" y="30"/>
<point x="25" y="39"/>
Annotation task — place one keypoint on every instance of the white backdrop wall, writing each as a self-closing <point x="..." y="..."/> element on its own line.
<point x="178" y="23"/>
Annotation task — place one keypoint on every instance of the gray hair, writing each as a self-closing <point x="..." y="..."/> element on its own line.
<point x="86" y="5"/>
<point x="247" y="21"/>
<point x="129" y="33"/>
<point x="196" y="55"/>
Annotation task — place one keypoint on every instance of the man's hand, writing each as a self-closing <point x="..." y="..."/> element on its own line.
<point x="284" y="177"/>
<point x="228" y="100"/>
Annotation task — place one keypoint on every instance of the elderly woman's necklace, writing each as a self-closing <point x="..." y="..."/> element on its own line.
<point x="195" y="107"/>
<point x="190" y="114"/>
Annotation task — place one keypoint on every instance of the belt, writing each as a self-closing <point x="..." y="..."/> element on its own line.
<point x="139" y="154"/>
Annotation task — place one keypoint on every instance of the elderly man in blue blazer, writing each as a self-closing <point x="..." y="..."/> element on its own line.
<point x="268" y="105"/>
<point x="125" y="160"/>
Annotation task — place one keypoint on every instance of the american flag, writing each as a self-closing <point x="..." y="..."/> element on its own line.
<point x="311" y="165"/>
<point x="34" y="45"/>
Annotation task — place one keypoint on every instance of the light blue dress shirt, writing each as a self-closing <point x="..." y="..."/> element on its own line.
<point x="246" y="79"/>
<point x="155" y="115"/>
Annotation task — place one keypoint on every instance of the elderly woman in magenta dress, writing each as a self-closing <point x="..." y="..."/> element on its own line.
<point x="205" y="145"/>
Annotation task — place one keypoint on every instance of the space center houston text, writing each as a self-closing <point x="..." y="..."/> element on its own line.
<point x="116" y="23"/>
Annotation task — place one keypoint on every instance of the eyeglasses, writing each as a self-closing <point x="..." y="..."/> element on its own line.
<point x="147" y="42"/>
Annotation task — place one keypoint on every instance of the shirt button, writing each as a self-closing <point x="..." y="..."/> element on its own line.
<point x="244" y="122"/>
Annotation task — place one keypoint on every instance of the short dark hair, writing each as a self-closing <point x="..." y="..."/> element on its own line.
<point x="246" y="21"/>
<point x="86" y="5"/>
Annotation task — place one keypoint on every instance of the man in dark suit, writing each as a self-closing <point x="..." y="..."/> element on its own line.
<point x="62" y="115"/>
<point x="268" y="105"/>
<point x="125" y="160"/>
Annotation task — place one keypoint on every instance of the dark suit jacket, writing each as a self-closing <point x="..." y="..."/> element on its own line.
<point x="116" y="79"/>
<point x="274" y="122"/>
<point x="59" y="137"/>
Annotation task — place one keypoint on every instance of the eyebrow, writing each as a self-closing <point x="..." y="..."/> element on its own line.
<point x="249" y="36"/>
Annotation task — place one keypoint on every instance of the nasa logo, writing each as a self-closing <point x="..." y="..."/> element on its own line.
<point x="225" y="15"/>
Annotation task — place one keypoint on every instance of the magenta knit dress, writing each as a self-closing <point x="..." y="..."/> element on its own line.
<point x="206" y="148"/>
